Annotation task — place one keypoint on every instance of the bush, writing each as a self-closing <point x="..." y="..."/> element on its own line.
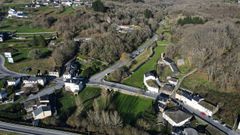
<point x="190" y="20"/>
<point x="38" y="41"/>
<point x="98" y="6"/>
<point x="148" y="13"/>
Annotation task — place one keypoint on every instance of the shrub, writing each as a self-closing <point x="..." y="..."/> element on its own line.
<point x="191" y="20"/>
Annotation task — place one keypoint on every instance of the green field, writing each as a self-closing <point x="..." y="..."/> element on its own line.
<point x="136" y="79"/>
<point x="131" y="107"/>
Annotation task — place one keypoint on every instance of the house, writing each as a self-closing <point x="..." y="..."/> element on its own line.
<point x="167" y="89"/>
<point x="189" y="131"/>
<point x="54" y="73"/>
<point x="170" y="63"/>
<point x="195" y="101"/>
<point x="151" y="81"/>
<point x="3" y="95"/>
<point x="42" y="112"/>
<point x="176" y="118"/>
<point x="66" y="2"/>
<point x="162" y="101"/>
<point x="35" y="80"/>
<point x="14" y="13"/>
<point x="38" y="108"/>
<point x="172" y="80"/>
<point x="13" y="81"/>
<point x="74" y="85"/>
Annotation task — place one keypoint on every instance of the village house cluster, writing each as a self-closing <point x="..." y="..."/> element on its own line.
<point x="57" y="3"/>
<point x="177" y="117"/>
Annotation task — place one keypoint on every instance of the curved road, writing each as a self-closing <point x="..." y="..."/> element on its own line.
<point x="5" y="72"/>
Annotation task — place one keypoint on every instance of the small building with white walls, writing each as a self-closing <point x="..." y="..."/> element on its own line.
<point x="13" y="81"/>
<point x="73" y="85"/>
<point x="42" y="112"/>
<point x="176" y="118"/>
<point x="35" y="80"/>
<point x="152" y="82"/>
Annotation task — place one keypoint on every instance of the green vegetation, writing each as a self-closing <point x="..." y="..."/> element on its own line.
<point x="141" y="58"/>
<point x="98" y="6"/>
<point x="191" y="20"/>
<point x="199" y="83"/>
<point x="11" y="111"/>
<point x="131" y="107"/>
<point x="148" y="13"/>
<point x="136" y="79"/>
<point x="8" y="133"/>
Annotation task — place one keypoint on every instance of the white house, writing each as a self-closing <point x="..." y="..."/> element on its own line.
<point x="172" y="80"/>
<point x="13" y="81"/>
<point x="176" y="118"/>
<point x="74" y="85"/>
<point x="152" y="82"/>
<point x="67" y="2"/>
<point x="42" y="112"/>
<point x="54" y="73"/>
<point x="195" y="101"/>
<point x="35" y="80"/>
<point x="14" y="13"/>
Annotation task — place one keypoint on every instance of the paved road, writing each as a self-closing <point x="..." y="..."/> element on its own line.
<point x="100" y="76"/>
<point x="5" y="72"/>
<point x="55" y="85"/>
<point x="29" y="130"/>
<point x="207" y="119"/>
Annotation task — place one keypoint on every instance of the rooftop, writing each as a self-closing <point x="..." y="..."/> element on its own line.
<point x="178" y="115"/>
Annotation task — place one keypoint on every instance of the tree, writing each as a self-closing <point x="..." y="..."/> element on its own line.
<point x="98" y="6"/>
<point x="38" y="41"/>
<point x="34" y="54"/>
<point x="148" y="13"/>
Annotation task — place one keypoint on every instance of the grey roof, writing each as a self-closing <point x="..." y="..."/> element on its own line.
<point x="178" y="115"/>
<point x="41" y="109"/>
<point x="74" y="80"/>
<point x="168" y="60"/>
<point x="168" y="87"/>
<point x="175" y="68"/>
<point x="150" y="73"/>
<point x="35" y="78"/>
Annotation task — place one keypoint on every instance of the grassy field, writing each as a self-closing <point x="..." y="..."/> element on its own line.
<point x="136" y="79"/>
<point x="131" y="107"/>
<point x="141" y="58"/>
<point x="67" y="101"/>
<point x="7" y="133"/>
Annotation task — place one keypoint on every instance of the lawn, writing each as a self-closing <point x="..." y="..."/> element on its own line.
<point x="131" y="107"/>
<point x="67" y="104"/>
<point x="20" y="25"/>
<point x="136" y="79"/>
<point x="20" y="53"/>
<point x="141" y="58"/>
<point x="7" y="133"/>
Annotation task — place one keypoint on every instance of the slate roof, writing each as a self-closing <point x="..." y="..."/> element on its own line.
<point x="41" y="109"/>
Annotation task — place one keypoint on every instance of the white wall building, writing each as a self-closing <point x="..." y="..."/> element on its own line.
<point x="14" y="13"/>
<point x="193" y="101"/>
<point x="42" y="112"/>
<point x="13" y="82"/>
<point x="149" y="76"/>
<point x="35" y="80"/>
<point x="74" y="85"/>
<point x="176" y="118"/>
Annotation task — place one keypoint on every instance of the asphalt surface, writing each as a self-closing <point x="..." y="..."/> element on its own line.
<point x="5" y="72"/>
<point x="29" y="130"/>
